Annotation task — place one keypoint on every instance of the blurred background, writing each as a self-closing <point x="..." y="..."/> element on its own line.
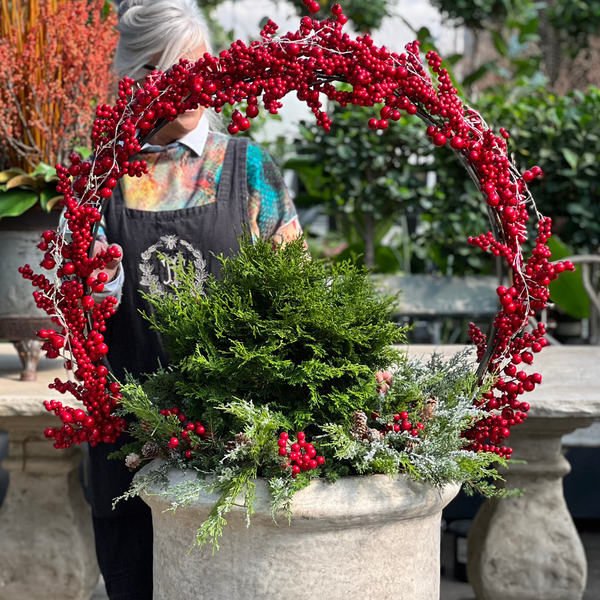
<point x="385" y="198"/>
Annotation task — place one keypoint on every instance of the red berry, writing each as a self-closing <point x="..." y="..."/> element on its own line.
<point x="439" y="139"/>
<point x="87" y="302"/>
<point x="57" y="341"/>
<point x="209" y="87"/>
<point x="528" y="176"/>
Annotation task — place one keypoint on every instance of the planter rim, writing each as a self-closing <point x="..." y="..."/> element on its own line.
<point x="369" y="498"/>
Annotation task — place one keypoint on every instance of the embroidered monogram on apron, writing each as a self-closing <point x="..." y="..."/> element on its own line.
<point x="199" y="234"/>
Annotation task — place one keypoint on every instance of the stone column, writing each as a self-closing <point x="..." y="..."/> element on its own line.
<point x="46" y="538"/>
<point x="527" y="548"/>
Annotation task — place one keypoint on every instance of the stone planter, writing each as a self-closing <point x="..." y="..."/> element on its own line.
<point x="362" y="537"/>
<point x="20" y="318"/>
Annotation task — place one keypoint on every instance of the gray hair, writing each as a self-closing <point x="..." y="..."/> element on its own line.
<point x="150" y="27"/>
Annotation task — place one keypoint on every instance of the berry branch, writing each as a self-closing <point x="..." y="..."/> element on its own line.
<point x="307" y="62"/>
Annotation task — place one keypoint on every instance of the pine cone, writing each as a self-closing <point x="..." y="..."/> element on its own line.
<point x="150" y="450"/>
<point x="240" y="440"/>
<point x="426" y="412"/>
<point x="410" y="445"/>
<point x="359" y="424"/>
<point x="133" y="460"/>
<point x="146" y="427"/>
<point x="373" y="435"/>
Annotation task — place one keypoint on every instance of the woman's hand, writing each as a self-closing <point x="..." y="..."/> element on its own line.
<point x="112" y="267"/>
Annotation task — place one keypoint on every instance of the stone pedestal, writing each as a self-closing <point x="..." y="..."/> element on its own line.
<point x="46" y="538"/>
<point x="527" y="548"/>
<point x="29" y="353"/>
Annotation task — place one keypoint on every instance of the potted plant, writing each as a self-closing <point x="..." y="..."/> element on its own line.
<point x="53" y="69"/>
<point x="271" y="396"/>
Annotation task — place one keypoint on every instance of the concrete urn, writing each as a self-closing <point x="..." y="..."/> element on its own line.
<point x="362" y="537"/>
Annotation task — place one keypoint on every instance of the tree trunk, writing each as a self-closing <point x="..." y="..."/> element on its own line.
<point x="551" y="47"/>
<point x="369" y="239"/>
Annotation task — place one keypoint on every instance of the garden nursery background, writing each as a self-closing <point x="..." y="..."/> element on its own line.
<point x="383" y="198"/>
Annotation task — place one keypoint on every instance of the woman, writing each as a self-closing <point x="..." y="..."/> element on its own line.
<point x="202" y="190"/>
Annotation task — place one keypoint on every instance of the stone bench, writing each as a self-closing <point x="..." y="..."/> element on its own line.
<point x="434" y="296"/>
<point x="429" y="300"/>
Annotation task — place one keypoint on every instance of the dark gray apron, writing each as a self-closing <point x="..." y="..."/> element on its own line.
<point x="124" y="536"/>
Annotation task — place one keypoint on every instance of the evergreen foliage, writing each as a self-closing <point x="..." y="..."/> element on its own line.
<point x="278" y="329"/>
<point x="283" y="342"/>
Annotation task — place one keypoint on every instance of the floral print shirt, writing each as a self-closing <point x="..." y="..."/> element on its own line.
<point x="186" y="174"/>
<point x="179" y="178"/>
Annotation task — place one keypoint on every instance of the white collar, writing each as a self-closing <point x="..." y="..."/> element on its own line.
<point x="195" y="140"/>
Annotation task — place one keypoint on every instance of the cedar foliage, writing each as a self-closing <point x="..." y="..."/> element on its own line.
<point x="280" y="343"/>
<point x="280" y="329"/>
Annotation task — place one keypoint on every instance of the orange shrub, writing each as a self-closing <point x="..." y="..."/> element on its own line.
<point x="55" y="63"/>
